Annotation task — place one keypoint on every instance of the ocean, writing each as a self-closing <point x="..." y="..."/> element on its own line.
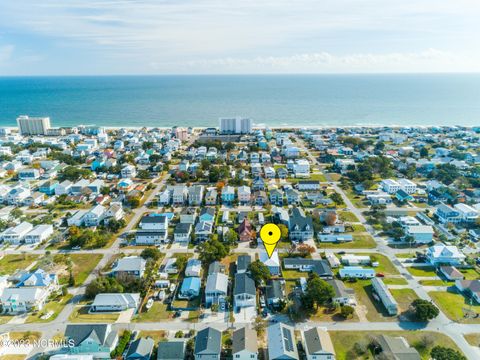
<point x="273" y="100"/>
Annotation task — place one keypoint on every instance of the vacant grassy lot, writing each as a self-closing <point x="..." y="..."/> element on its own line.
<point x="83" y="264"/>
<point x="348" y="216"/>
<point x="56" y="306"/>
<point x="81" y="315"/>
<point x="375" y="309"/>
<point x="473" y="339"/>
<point x="158" y="312"/>
<point x="25" y="335"/>
<point x="422" y="271"/>
<point x="156" y="335"/>
<point x="12" y="262"/>
<point x="385" y="266"/>
<point x="404" y="298"/>
<point x="454" y="304"/>
<point x="359" y="242"/>
<point x="435" y="282"/>
<point x="395" y="280"/>
<point x="470" y="274"/>
<point x="344" y="342"/>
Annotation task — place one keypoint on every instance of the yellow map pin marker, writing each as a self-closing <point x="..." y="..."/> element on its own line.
<point x="270" y="235"/>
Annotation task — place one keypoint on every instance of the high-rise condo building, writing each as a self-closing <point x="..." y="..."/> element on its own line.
<point x="237" y="125"/>
<point x="33" y="125"/>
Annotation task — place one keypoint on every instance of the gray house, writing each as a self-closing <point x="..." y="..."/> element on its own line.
<point x="97" y="340"/>
<point x="208" y="344"/>
<point x="140" y="349"/>
<point x="171" y="350"/>
<point x="244" y="344"/>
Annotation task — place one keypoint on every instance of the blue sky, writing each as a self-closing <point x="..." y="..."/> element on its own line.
<point x="58" y="37"/>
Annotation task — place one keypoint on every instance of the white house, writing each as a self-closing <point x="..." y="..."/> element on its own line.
<point x="63" y="188"/>
<point x="16" y="234"/>
<point x="107" y="302"/>
<point x="39" y="233"/>
<point x="318" y="345"/>
<point x="441" y="254"/>
<point x="193" y="268"/>
<point x="23" y="299"/>
<point x="244" y="291"/>
<point x="128" y="171"/>
<point x="244" y="344"/>
<point x="301" y="168"/>
<point x="94" y="216"/>
<point x="356" y="272"/>
<point x="467" y="213"/>
<point x="421" y="234"/>
<point x="390" y="186"/>
<point x="216" y="289"/>
<point x="407" y="185"/>
<point x="244" y="194"/>
<point x="281" y="342"/>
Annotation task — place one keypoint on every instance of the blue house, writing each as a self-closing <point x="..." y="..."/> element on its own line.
<point x="207" y="214"/>
<point x="95" y="339"/>
<point x="48" y="187"/>
<point x="190" y="288"/>
<point x="228" y="195"/>
<point x="97" y="163"/>
<point x="402" y="196"/>
<point x="37" y="278"/>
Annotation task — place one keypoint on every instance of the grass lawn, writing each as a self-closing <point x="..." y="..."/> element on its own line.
<point x="348" y="216"/>
<point x="344" y="341"/>
<point x="25" y="335"/>
<point x="358" y="228"/>
<point x="404" y="298"/>
<point x="357" y="200"/>
<point x="470" y="274"/>
<point x="385" y="266"/>
<point x="395" y="281"/>
<point x="375" y="309"/>
<point x="156" y="335"/>
<point x="293" y="274"/>
<point x="434" y="282"/>
<point x="359" y="242"/>
<point x="318" y="177"/>
<point x="326" y="314"/>
<point x="158" y="312"/>
<point x="5" y="319"/>
<point x="83" y="264"/>
<point x="405" y="255"/>
<point x="56" y="306"/>
<point x="12" y="262"/>
<point x="453" y="304"/>
<point x="81" y="315"/>
<point x="422" y="271"/>
<point x="13" y="357"/>
<point x="193" y="316"/>
<point x="335" y="176"/>
<point x="473" y="339"/>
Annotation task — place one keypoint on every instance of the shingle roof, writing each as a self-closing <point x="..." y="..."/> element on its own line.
<point x="244" y="284"/>
<point x="100" y="333"/>
<point x="142" y="347"/>
<point x="171" y="350"/>
<point x="208" y="341"/>
<point x="244" y="339"/>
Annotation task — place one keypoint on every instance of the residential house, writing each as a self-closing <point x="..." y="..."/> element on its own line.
<point x="441" y="254"/>
<point x="195" y="195"/>
<point x="385" y="296"/>
<point x="208" y="344"/>
<point x="281" y="342"/>
<point x="260" y="198"/>
<point x="244" y="344"/>
<point x="38" y="234"/>
<point x="244" y="195"/>
<point x="451" y="273"/>
<point x="211" y="197"/>
<point x="447" y="214"/>
<point x="107" y="302"/>
<point x="48" y="187"/>
<point x="171" y="350"/>
<point x="356" y="272"/>
<point x="271" y="262"/>
<point x="188" y="215"/>
<point x="293" y="196"/>
<point x="99" y="340"/>
<point x="308" y="185"/>
<point x="133" y="266"/>
<point x="276" y="197"/>
<point x="128" y="171"/>
<point x="193" y="267"/>
<point x="243" y="263"/>
<point x="343" y="295"/>
<point x="190" y="288"/>
<point x="471" y="288"/>
<point x="216" y="289"/>
<point x="203" y="230"/>
<point x="300" y="226"/>
<point x="228" y="195"/>
<point x="467" y="213"/>
<point x="274" y="293"/>
<point x="16" y="234"/>
<point x="207" y="214"/>
<point x="246" y="231"/>
<point x="179" y="194"/>
<point x="182" y="233"/>
<point x="140" y="349"/>
<point x="244" y="292"/>
<point x="397" y="348"/>
<point x="94" y="216"/>
<point x="318" y="345"/>
<point x="421" y="234"/>
<point x="258" y="184"/>
<point x="318" y="266"/>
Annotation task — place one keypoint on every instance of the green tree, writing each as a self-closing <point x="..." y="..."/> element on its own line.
<point x="337" y="198"/>
<point x="151" y="253"/>
<point x="444" y="353"/>
<point x="212" y="250"/>
<point x="259" y="272"/>
<point x="318" y="293"/>
<point x="346" y="311"/>
<point x="73" y="173"/>
<point x="424" y="310"/>
<point x="283" y="231"/>
<point x="103" y="284"/>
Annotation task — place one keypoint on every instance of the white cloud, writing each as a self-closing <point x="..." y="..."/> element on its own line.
<point x="6" y="52"/>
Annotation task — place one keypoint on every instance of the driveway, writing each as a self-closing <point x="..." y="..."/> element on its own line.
<point x="247" y="314"/>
